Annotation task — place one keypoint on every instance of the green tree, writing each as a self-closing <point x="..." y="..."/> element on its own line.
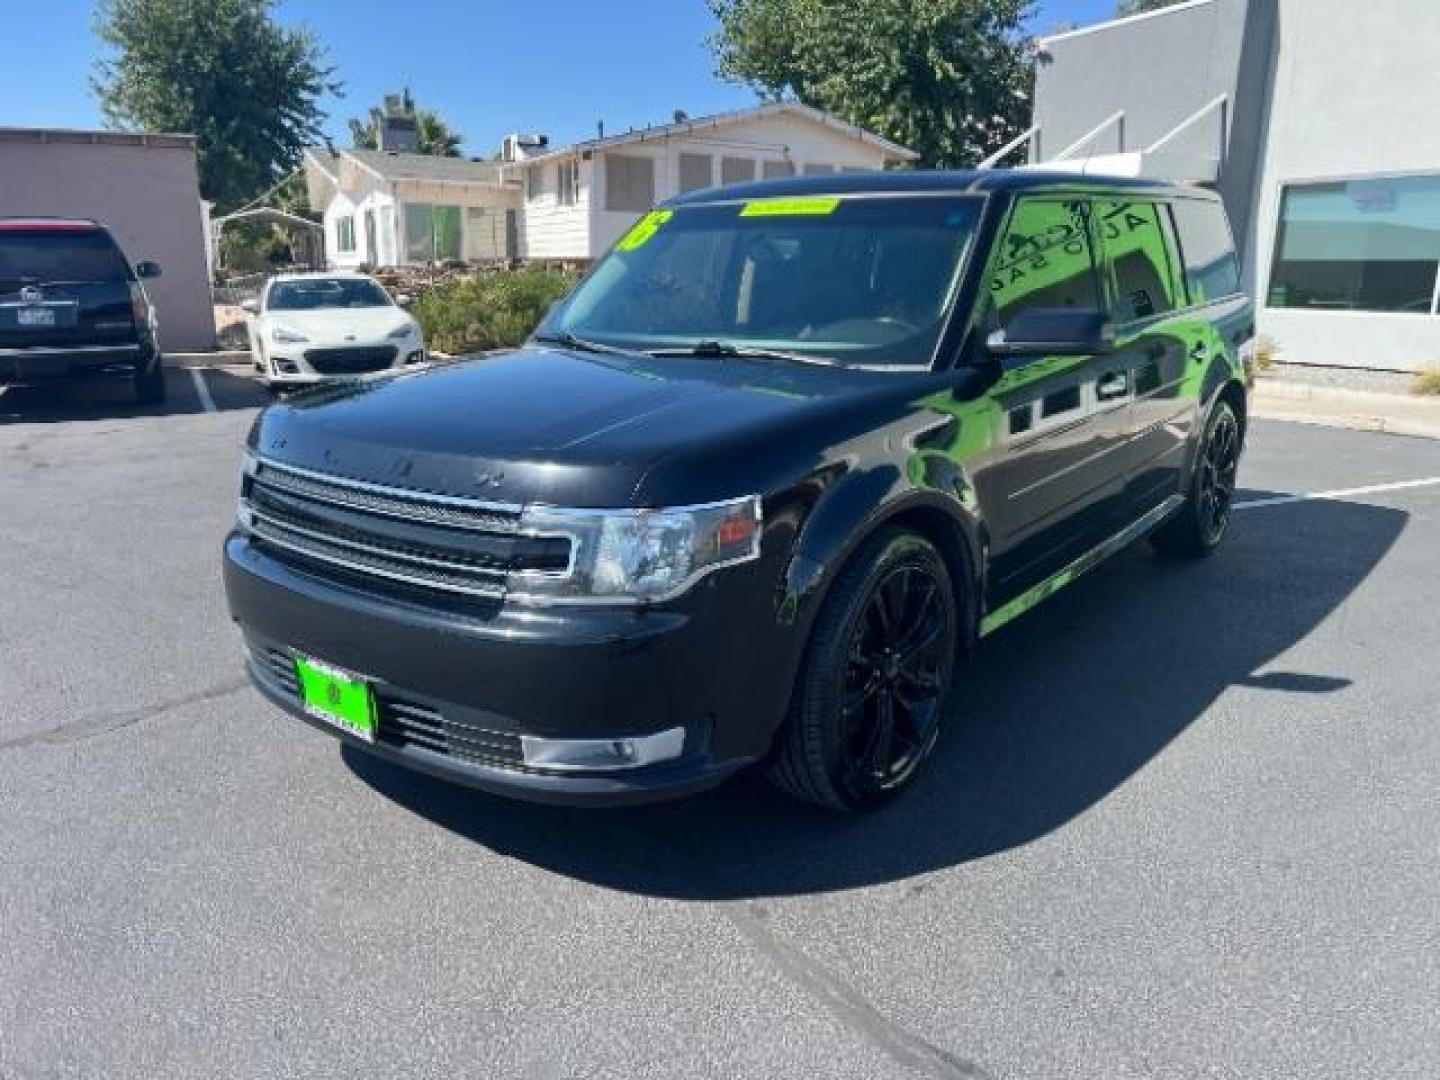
<point x="435" y="136"/>
<point x="1136" y="7"/>
<point x="951" y="79"/>
<point x="246" y="87"/>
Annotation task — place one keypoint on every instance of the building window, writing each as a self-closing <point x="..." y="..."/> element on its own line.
<point x="817" y="170"/>
<point x="1359" y="245"/>
<point x="629" y="182"/>
<point x="432" y="233"/>
<point x="345" y="234"/>
<point x="696" y="171"/>
<point x="534" y="182"/>
<point x="568" y="181"/>
<point x="777" y="170"/>
<point x="737" y="170"/>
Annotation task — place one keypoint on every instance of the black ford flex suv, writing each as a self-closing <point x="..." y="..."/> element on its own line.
<point x="72" y="307"/>
<point x="750" y="493"/>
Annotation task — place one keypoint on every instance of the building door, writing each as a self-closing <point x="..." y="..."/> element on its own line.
<point x="372" y="239"/>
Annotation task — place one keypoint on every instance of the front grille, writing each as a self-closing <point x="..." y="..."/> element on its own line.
<point x="354" y="360"/>
<point x="435" y="543"/>
<point x="404" y="723"/>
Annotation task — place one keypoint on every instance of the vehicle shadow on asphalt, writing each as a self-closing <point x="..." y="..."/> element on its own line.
<point x="1055" y="712"/>
<point x="113" y="399"/>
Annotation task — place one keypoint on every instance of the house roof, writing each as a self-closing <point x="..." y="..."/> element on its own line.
<point x="166" y="140"/>
<point x="702" y="123"/>
<point x="391" y="166"/>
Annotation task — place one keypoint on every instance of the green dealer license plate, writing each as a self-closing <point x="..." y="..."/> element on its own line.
<point x="340" y="698"/>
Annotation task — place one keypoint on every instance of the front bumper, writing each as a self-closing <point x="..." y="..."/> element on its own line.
<point x="286" y="366"/>
<point x="42" y="363"/>
<point x="456" y="692"/>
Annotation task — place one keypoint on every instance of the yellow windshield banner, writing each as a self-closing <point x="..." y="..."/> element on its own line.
<point x="644" y="230"/>
<point x="805" y="207"/>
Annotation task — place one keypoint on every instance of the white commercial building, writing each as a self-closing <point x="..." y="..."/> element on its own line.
<point x="1315" y="119"/>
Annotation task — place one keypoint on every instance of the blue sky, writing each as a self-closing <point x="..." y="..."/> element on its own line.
<point x="490" y="66"/>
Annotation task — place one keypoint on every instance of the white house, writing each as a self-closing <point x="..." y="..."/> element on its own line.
<point x="581" y="199"/>
<point x="388" y="208"/>
<point x="384" y="208"/>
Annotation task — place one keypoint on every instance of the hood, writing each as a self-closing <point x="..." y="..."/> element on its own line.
<point x="542" y="424"/>
<point x="330" y="326"/>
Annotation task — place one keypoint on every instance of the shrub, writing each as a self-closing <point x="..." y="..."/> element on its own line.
<point x="495" y="310"/>
<point x="1428" y="380"/>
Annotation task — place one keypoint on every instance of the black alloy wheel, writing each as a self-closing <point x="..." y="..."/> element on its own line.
<point x="876" y="683"/>
<point x="1202" y="523"/>
<point x="1219" y="467"/>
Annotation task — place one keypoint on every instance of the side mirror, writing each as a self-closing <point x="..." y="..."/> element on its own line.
<point x="250" y="307"/>
<point x="1054" y="332"/>
<point x="404" y="299"/>
<point x="147" y="269"/>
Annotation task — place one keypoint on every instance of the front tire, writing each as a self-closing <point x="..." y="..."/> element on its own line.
<point x="1200" y="526"/>
<point x="875" y="685"/>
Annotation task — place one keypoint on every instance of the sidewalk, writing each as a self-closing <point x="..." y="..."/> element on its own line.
<point x="1359" y="410"/>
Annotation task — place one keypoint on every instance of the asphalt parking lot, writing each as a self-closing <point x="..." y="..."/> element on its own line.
<point x="1185" y="823"/>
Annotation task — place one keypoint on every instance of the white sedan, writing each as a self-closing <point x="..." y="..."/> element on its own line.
<point x="307" y="328"/>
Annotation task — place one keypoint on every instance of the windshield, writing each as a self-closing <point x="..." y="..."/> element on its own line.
<point x="313" y="294"/>
<point x="862" y="281"/>
<point x="55" y="256"/>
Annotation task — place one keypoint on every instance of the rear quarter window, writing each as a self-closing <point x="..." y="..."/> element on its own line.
<point x="42" y="257"/>
<point x="1212" y="270"/>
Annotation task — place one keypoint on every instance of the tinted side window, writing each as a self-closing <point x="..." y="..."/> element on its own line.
<point x="1140" y="247"/>
<point x="1044" y="260"/>
<point x="1211" y="267"/>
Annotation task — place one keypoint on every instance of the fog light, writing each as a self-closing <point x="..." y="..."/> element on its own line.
<point x="582" y="755"/>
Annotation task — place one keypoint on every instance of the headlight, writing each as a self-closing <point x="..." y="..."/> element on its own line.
<point x="284" y="336"/>
<point x="400" y="333"/>
<point x="620" y="556"/>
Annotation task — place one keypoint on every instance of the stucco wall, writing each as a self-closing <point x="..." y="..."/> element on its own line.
<point x="1354" y="94"/>
<point x="149" y="197"/>
<point x="1158" y="68"/>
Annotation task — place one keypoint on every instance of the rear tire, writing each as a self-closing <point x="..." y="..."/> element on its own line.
<point x="150" y="385"/>
<point x="1201" y="525"/>
<point x="875" y="685"/>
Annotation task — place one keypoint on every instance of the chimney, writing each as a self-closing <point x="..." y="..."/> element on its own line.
<point x="396" y="131"/>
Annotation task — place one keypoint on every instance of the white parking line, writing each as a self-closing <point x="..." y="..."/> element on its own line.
<point x="1346" y="493"/>
<point x="201" y="389"/>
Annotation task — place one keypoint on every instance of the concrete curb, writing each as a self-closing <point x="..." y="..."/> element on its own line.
<point x="1357" y="410"/>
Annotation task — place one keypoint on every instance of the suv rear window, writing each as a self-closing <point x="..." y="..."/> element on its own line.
<point x="47" y="258"/>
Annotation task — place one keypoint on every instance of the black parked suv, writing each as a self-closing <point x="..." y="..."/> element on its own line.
<point x="72" y="307"/>
<point x="784" y="456"/>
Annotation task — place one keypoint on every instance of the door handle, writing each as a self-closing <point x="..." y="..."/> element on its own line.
<point x="1112" y="385"/>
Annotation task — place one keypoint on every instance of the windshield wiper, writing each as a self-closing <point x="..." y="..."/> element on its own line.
<point x="579" y="344"/>
<point x="724" y="350"/>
